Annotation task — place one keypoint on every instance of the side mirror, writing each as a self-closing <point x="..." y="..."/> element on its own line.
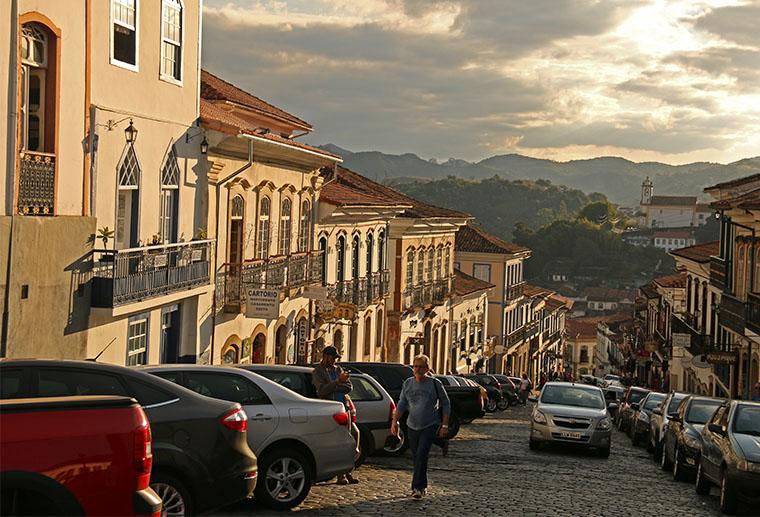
<point x="657" y="411"/>
<point x="717" y="429"/>
<point x="674" y="417"/>
<point x="635" y="406"/>
<point x="532" y="398"/>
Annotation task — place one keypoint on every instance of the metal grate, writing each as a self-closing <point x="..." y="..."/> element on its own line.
<point x="36" y="190"/>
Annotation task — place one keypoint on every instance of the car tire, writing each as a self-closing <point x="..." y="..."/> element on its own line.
<point x="728" y="503"/>
<point x="603" y="453"/>
<point x="678" y="469"/>
<point x="491" y="405"/>
<point x="502" y="404"/>
<point x="175" y="497"/>
<point x="272" y="464"/>
<point x="454" y="425"/>
<point x="702" y="485"/>
<point x="534" y="445"/>
<point x="665" y="463"/>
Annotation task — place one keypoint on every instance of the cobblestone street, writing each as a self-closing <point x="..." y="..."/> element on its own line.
<point x="491" y="471"/>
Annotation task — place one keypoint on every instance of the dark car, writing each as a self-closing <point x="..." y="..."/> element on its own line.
<point x="731" y="455"/>
<point x="508" y="389"/>
<point x="613" y="395"/>
<point x="682" y="443"/>
<point x="658" y="422"/>
<point x="492" y="386"/>
<point x="632" y="395"/>
<point x="201" y="458"/>
<point x="639" y="426"/>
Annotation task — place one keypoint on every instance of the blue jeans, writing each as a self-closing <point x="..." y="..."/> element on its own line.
<point x="420" y="443"/>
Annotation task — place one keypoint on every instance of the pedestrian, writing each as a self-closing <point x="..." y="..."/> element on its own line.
<point x="427" y="403"/>
<point x="524" y="388"/>
<point x="332" y="383"/>
<point x="756" y="394"/>
<point x="541" y="381"/>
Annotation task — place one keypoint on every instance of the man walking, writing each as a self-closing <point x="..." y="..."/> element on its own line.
<point x="332" y="383"/>
<point x="425" y="399"/>
<point x="525" y="387"/>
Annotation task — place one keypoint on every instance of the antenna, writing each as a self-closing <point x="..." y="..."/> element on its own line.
<point x="101" y="352"/>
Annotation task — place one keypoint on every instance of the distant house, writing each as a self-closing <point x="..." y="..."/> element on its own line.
<point x="600" y="300"/>
<point x="641" y="238"/>
<point x="670" y="211"/>
<point x="673" y="239"/>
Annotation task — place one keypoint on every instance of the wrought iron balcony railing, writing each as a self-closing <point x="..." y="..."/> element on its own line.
<point x="732" y="313"/>
<point x="718" y="272"/>
<point x="126" y="276"/>
<point x="515" y="291"/>
<point x="686" y="324"/>
<point x="753" y="312"/>
<point x="385" y="282"/>
<point x="430" y="293"/>
<point x="36" y="185"/>
<point x="531" y="329"/>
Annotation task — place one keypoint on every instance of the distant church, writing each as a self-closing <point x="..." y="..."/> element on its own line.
<point x="670" y="211"/>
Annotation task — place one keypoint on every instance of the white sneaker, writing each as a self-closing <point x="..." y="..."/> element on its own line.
<point x="417" y="494"/>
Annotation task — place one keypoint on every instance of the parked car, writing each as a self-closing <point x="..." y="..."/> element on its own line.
<point x="633" y="395"/>
<point x="570" y="413"/>
<point x="613" y="395"/>
<point x="658" y="422"/>
<point x="508" y="389"/>
<point x="483" y="393"/>
<point x="643" y="411"/>
<point x="201" y="458"/>
<point x="298" y="441"/>
<point x="374" y="406"/>
<point x="66" y="433"/>
<point x="682" y="442"/>
<point x="493" y="387"/>
<point x="612" y="379"/>
<point x="731" y="455"/>
<point x="466" y="404"/>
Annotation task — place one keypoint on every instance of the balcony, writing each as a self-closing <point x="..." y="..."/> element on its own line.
<point x="753" y="312"/>
<point x="515" y="291"/>
<point x="36" y="183"/>
<point x="530" y="330"/>
<point x="377" y="285"/>
<point x="280" y="273"/>
<point x="429" y="293"/>
<point x="686" y="324"/>
<point x="354" y="292"/>
<point x="132" y="275"/>
<point x="718" y="272"/>
<point x="732" y="313"/>
<point x="515" y="337"/>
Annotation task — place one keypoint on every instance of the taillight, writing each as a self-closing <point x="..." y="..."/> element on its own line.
<point x="392" y="410"/>
<point x="341" y="418"/>
<point x="235" y="419"/>
<point x="142" y="454"/>
<point x="498" y="386"/>
<point x="352" y="411"/>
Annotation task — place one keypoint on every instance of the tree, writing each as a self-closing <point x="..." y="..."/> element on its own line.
<point x="599" y="212"/>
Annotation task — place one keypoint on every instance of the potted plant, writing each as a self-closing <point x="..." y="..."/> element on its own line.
<point x="105" y="234"/>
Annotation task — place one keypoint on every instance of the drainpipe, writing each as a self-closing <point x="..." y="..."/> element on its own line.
<point x="216" y="243"/>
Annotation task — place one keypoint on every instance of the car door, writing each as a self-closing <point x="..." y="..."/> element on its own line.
<point x="262" y="415"/>
<point x="675" y="428"/>
<point x="368" y="400"/>
<point x="710" y="448"/>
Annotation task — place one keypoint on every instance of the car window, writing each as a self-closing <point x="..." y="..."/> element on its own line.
<point x="148" y="395"/>
<point x="653" y="401"/>
<point x="292" y="380"/>
<point x="391" y="378"/>
<point x="637" y="396"/>
<point x="174" y="376"/>
<point x="700" y="411"/>
<point x="234" y="388"/>
<point x="747" y="420"/>
<point x="60" y="382"/>
<point x="485" y="380"/>
<point x="572" y="396"/>
<point x="11" y="386"/>
<point x="674" y="401"/>
<point x="610" y="396"/>
<point x="364" y="391"/>
<point x="443" y="380"/>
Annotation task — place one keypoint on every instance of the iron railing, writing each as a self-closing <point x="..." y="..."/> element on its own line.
<point x="531" y="329"/>
<point x="131" y="275"/>
<point x="732" y="313"/>
<point x="718" y="272"/>
<point x="753" y="312"/>
<point x="515" y="291"/>
<point x="385" y="283"/>
<point x="36" y="185"/>
<point x="429" y="293"/>
<point x="686" y="324"/>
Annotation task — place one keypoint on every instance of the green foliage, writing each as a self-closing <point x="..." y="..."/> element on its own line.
<point x="105" y="234"/>
<point x="708" y="232"/>
<point x="599" y="212"/>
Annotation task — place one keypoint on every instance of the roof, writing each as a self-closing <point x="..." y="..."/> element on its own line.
<point x="471" y="238"/>
<point x="673" y="234"/>
<point x="649" y="292"/>
<point x="580" y="329"/>
<point x="343" y="195"/>
<point x="530" y="290"/>
<point x="555" y="302"/>
<point x="675" y="281"/>
<point x="749" y="200"/>
<point x="217" y="117"/>
<point x="674" y="200"/>
<point x="738" y="182"/>
<point x="698" y="253"/>
<point x="214" y="88"/>
<point x="465" y="284"/>
<point x="605" y="294"/>
<point x="368" y="189"/>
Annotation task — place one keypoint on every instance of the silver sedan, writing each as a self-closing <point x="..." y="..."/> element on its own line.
<point x="571" y="414"/>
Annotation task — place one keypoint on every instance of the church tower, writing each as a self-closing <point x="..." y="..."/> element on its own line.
<point x="647" y="190"/>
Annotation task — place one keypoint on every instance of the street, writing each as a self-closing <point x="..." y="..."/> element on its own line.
<point x="491" y="471"/>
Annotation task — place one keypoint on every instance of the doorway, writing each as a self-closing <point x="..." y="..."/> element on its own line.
<point x="170" y="335"/>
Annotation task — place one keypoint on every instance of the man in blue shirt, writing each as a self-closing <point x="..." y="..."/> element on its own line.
<point x="429" y="409"/>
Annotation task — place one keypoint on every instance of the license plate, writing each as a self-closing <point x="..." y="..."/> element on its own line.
<point x="572" y="436"/>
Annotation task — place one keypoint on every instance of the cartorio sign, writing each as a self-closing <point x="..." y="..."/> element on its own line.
<point x="721" y="357"/>
<point x="262" y="303"/>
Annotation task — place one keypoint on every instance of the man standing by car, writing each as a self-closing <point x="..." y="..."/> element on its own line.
<point x="332" y="383"/>
<point x="429" y="409"/>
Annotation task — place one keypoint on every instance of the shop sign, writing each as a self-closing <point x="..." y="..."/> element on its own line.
<point x="721" y="357"/>
<point x="262" y="303"/>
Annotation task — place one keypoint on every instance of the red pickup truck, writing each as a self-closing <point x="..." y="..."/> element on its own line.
<point x="88" y="455"/>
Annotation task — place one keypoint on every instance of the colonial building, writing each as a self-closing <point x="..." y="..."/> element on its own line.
<point x="670" y="211"/>
<point x="672" y="239"/>
<point x="581" y="343"/>
<point x="469" y="317"/>
<point x="613" y="339"/>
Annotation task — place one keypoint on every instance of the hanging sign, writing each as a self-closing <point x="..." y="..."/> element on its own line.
<point x="262" y="303"/>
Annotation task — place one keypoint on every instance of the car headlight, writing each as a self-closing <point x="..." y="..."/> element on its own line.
<point x="604" y="424"/>
<point x="748" y="466"/>
<point x="643" y="418"/>
<point x="692" y="441"/>
<point x="539" y="417"/>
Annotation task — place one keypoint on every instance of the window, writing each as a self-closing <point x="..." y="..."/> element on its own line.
<point x="364" y="391"/>
<point x="168" y="208"/>
<point x="438" y="260"/>
<point x="355" y="258"/>
<point x="379" y="329"/>
<point x="429" y="268"/>
<point x="67" y="382"/>
<point x="370" y="251"/>
<point x="171" y="40"/>
<point x="128" y="199"/>
<point x="137" y="341"/>
<point x="234" y="388"/>
<point x="34" y="58"/>
<point x="263" y="241"/>
<point x="124" y="33"/>
<point x="482" y="272"/>
<point x="447" y="259"/>
<point x="420" y="266"/>
<point x="235" y="245"/>
<point x="381" y="251"/>
<point x="409" y="268"/>
<point x="304" y="231"/>
<point x="11" y="383"/>
<point x="340" y="259"/>
<point x="323" y="249"/>
<point x="285" y="227"/>
<point x="291" y="380"/>
<point x="148" y="395"/>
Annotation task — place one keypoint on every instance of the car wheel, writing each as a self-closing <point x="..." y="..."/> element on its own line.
<point x="604" y="453"/>
<point x="664" y="460"/>
<point x="454" y="425"/>
<point x="678" y="472"/>
<point x="702" y="485"/>
<point x="502" y="404"/>
<point x="468" y="421"/>
<point x="534" y="445"/>
<point x="491" y="405"/>
<point x="728" y="502"/>
<point x="285" y="479"/>
<point x="175" y="498"/>
<point x="396" y="446"/>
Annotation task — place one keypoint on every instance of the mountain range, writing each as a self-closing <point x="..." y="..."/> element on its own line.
<point x="617" y="178"/>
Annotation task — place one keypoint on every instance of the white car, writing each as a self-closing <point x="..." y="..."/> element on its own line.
<point x="298" y="441"/>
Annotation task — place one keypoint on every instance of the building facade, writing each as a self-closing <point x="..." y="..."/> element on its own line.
<point x="670" y="211"/>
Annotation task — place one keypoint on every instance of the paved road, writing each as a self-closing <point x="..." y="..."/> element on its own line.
<point x="491" y="471"/>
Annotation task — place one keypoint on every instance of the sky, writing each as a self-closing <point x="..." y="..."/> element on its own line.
<point x="672" y="81"/>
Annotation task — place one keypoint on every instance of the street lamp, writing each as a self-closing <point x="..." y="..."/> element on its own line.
<point x="130" y="133"/>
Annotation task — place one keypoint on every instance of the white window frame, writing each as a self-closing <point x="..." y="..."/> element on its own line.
<point x="136" y="28"/>
<point x="134" y="321"/>
<point x="482" y="267"/>
<point x="181" y="44"/>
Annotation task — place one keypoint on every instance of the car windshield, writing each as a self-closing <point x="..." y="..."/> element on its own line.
<point x="747" y="420"/>
<point x="674" y="401"/>
<point x="701" y="411"/>
<point x="653" y="401"/>
<point x="572" y="396"/>
<point x="637" y="395"/>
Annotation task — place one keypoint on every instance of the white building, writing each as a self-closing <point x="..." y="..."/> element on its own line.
<point x="670" y="211"/>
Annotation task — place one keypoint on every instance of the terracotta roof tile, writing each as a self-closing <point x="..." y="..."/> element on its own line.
<point x="343" y="195"/>
<point x="214" y="88"/>
<point x="738" y="182"/>
<point x="530" y="291"/>
<point x="699" y="253"/>
<point x="465" y="284"/>
<point x="673" y="233"/>
<point x="554" y="302"/>
<point x="674" y="200"/>
<point x="605" y="294"/>
<point x="749" y="200"/>
<point x="675" y="281"/>
<point x="580" y="329"/>
<point x="473" y="239"/>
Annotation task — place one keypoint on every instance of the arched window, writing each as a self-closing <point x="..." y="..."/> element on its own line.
<point x="230" y="355"/>
<point x="263" y="242"/>
<point x="438" y="260"/>
<point x="235" y="247"/>
<point x="740" y="271"/>
<point x="323" y="256"/>
<point x="447" y="261"/>
<point x="34" y="82"/>
<point x="340" y="259"/>
<point x="370" y="251"/>
<point x="128" y="202"/>
<point x="381" y="251"/>
<point x="355" y="258"/>
<point x="429" y="268"/>
<point x="304" y="230"/>
<point x="168" y="206"/>
<point x="420" y="266"/>
<point x="368" y="336"/>
<point x="285" y="227"/>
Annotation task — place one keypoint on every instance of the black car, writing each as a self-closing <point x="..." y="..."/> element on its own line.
<point x="201" y="458"/>
<point x="633" y="395"/>
<point x="508" y="389"/>
<point x="613" y="395"/>
<point x="731" y="455"/>
<point x="682" y="442"/>
<point x="492" y="386"/>
<point x="639" y="426"/>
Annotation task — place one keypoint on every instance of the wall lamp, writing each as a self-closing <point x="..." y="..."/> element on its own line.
<point x="130" y="132"/>
<point x="204" y="142"/>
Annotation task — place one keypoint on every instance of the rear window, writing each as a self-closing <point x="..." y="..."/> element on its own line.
<point x="700" y="411"/>
<point x="652" y="402"/>
<point x="444" y="380"/>
<point x="391" y="378"/>
<point x="364" y="391"/>
<point x="234" y="388"/>
<point x="148" y="395"/>
<point x="60" y="382"/>
<point x="637" y="396"/>
<point x="292" y="380"/>
<point x="10" y="383"/>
